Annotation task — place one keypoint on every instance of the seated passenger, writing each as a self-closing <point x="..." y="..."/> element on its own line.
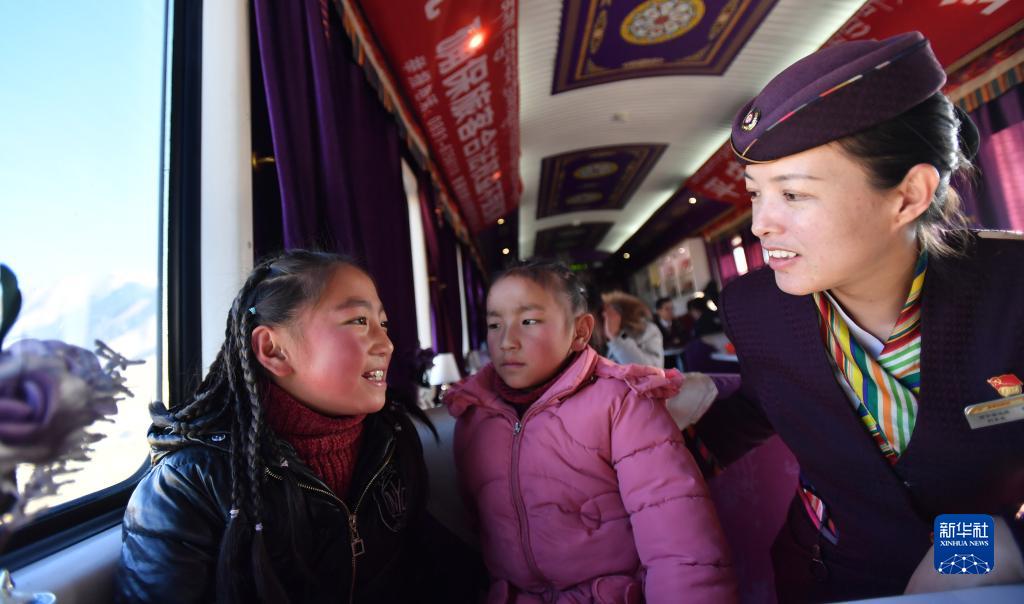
<point x="675" y="332"/>
<point x="290" y="475"/>
<point x="631" y="335"/>
<point x="576" y="474"/>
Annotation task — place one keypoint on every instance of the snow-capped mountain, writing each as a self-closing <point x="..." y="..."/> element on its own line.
<point x="79" y="310"/>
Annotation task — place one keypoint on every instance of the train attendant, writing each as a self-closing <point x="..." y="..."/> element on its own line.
<point x="880" y="322"/>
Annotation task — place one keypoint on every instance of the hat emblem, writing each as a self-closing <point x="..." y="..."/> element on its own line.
<point x="750" y="120"/>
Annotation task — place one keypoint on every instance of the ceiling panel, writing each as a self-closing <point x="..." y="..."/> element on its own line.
<point x="603" y="41"/>
<point x="689" y="113"/>
<point x="599" y="178"/>
<point x="575" y="241"/>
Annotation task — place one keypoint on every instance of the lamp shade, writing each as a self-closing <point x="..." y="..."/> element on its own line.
<point x="444" y="370"/>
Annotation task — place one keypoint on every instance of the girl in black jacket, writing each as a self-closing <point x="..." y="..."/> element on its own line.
<point x="291" y="475"/>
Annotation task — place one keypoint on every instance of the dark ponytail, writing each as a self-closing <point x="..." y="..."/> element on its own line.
<point x="934" y="133"/>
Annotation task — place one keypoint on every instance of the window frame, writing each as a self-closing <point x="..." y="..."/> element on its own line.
<point x="81" y="518"/>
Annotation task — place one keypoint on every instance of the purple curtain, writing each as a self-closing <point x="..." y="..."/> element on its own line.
<point x="448" y="281"/>
<point x="720" y="253"/>
<point x="476" y="301"/>
<point x="442" y="266"/>
<point x="753" y="250"/>
<point x="996" y="200"/>
<point x="337" y="156"/>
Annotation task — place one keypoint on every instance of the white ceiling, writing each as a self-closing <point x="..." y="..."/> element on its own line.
<point x="690" y="113"/>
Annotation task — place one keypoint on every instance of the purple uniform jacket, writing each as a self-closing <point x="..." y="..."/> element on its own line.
<point x="972" y="329"/>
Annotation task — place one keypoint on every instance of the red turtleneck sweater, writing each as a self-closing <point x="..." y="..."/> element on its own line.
<point x="522" y="399"/>
<point x="328" y="445"/>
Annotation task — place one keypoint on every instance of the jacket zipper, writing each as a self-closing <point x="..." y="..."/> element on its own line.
<point x="517" y="428"/>
<point x="524" y="527"/>
<point x="355" y="541"/>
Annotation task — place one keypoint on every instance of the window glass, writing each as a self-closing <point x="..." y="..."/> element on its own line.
<point x="81" y="117"/>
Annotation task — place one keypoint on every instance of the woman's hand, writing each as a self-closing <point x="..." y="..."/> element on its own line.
<point x="612" y="322"/>
<point x="693" y="400"/>
<point x="1009" y="567"/>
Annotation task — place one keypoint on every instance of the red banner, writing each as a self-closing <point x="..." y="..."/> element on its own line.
<point x="456" y="63"/>
<point x="720" y="178"/>
<point x="954" y="27"/>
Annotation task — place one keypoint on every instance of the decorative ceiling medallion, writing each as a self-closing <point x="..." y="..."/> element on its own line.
<point x="598" y="178"/>
<point x="598" y="169"/>
<point x="656" y="37"/>
<point x="657" y="21"/>
<point x="750" y="120"/>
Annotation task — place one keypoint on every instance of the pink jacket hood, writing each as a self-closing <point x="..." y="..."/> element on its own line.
<point x="641" y="379"/>
<point x="591" y="496"/>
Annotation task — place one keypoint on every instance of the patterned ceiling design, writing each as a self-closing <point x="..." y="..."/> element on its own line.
<point x="599" y="178"/>
<point x="577" y="241"/>
<point x="609" y="40"/>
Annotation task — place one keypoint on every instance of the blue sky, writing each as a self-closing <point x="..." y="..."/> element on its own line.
<point x="80" y="86"/>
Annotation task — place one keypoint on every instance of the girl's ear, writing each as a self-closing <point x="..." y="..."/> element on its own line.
<point x="582" y="328"/>
<point x="266" y="344"/>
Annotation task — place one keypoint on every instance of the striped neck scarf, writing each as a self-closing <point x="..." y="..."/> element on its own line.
<point x="887" y="388"/>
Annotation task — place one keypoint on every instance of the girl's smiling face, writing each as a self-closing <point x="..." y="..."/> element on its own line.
<point x="337" y="350"/>
<point x="531" y="331"/>
<point x="822" y="223"/>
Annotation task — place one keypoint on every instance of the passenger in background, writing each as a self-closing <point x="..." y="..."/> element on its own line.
<point x="705" y="319"/>
<point x="694" y="308"/>
<point x="575" y="471"/>
<point x="632" y="336"/>
<point x="880" y="327"/>
<point x="708" y="350"/>
<point x="292" y="475"/>
<point x="476" y="359"/>
<point x="675" y="332"/>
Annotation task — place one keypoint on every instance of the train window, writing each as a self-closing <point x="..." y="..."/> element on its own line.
<point x="81" y="221"/>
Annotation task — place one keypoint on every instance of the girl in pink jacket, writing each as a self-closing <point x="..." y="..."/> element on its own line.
<point x="577" y="475"/>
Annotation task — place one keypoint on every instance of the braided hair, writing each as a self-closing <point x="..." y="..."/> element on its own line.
<point x="274" y="293"/>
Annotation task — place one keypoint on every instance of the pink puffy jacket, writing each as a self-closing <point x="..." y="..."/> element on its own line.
<point x="592" y="496"/>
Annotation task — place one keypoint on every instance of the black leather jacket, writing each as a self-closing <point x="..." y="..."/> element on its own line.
<point x="378" y="545"/>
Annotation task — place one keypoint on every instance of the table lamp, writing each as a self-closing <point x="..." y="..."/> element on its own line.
<point x="444" y="371"/>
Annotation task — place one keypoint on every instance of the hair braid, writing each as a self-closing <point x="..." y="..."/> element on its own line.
<point x="252" y="435"/>
<point x="239" y="425"/>
<point x="192" y="417"/>
<point x="238" y="535"/>
<point x="238" y="348"/>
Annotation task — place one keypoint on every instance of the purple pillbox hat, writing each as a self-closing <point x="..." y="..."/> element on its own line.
<point x="836" y="92"/>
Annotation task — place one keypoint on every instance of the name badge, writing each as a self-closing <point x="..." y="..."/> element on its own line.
<point x="992" y="413"/>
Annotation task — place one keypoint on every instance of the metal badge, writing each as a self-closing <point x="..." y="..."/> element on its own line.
<point x="1006" y="384"/>
<point x="998" y="411"/>
<point x="750" y="120"/>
